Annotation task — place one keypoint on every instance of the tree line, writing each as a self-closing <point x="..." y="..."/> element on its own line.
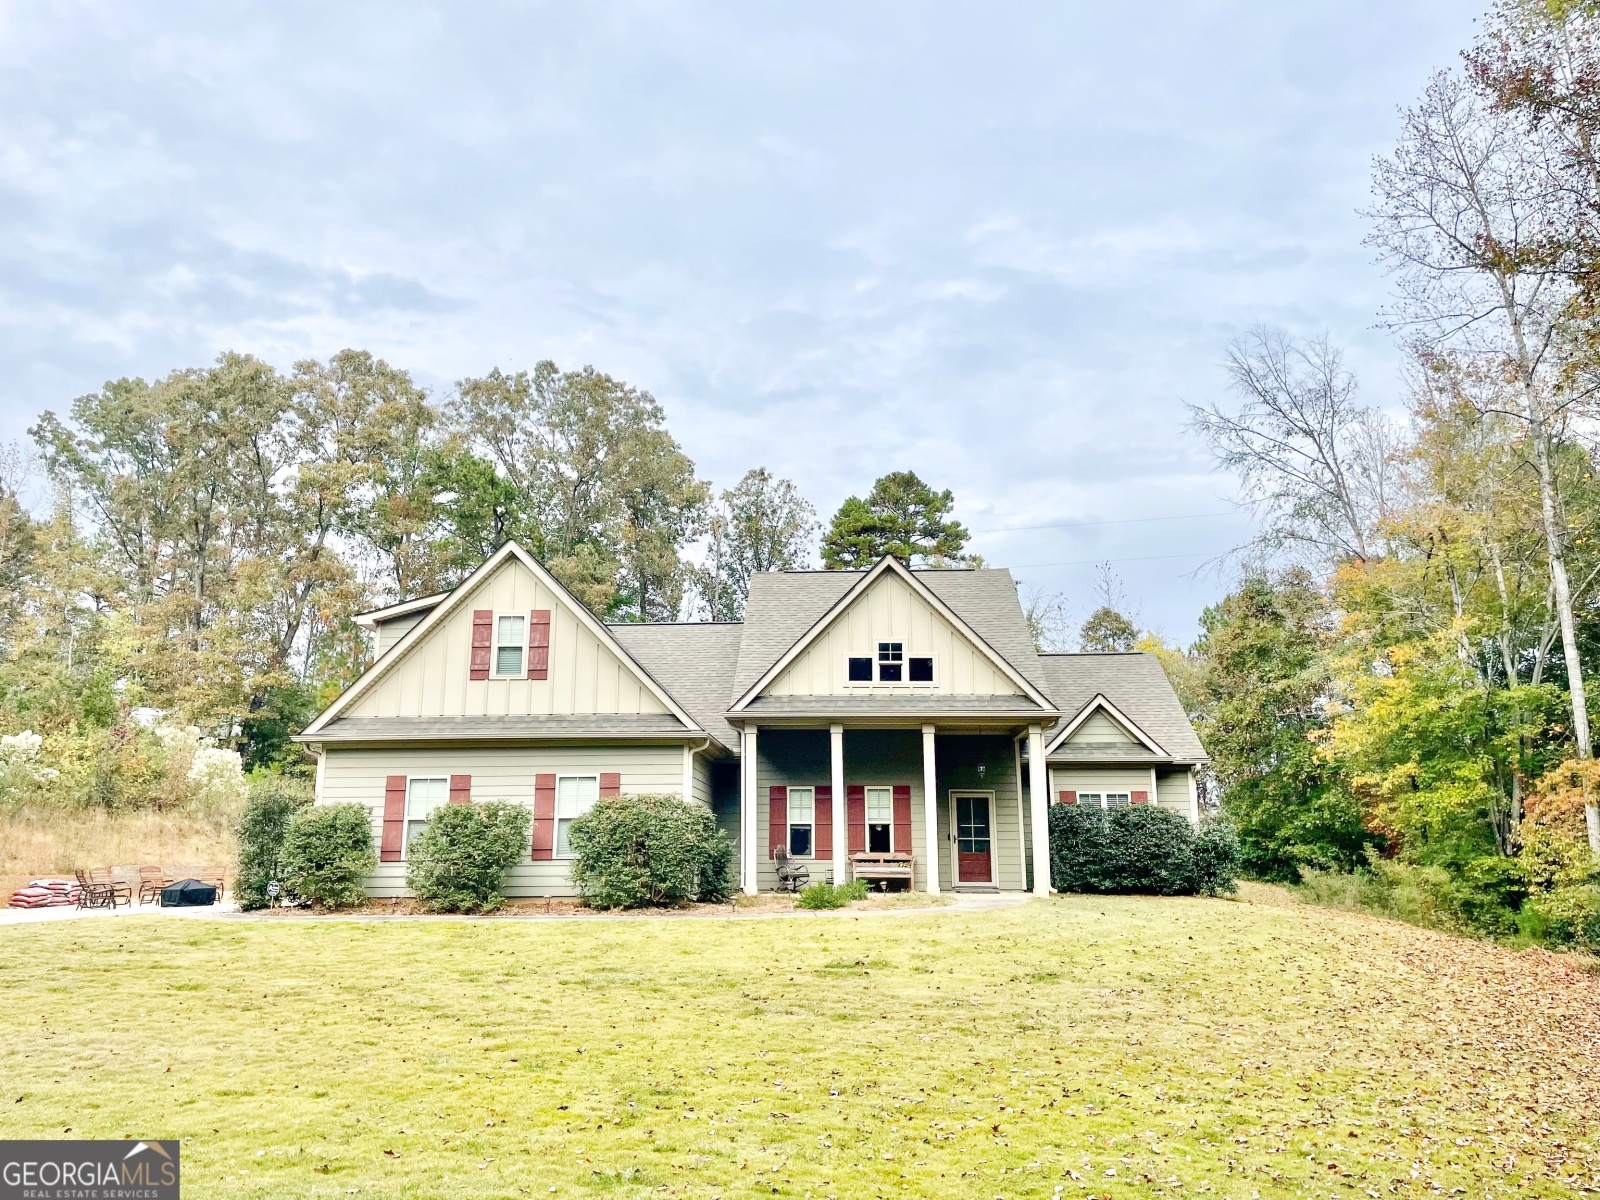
<point x="213" y="533"/>
<point x="1403" y="675"/>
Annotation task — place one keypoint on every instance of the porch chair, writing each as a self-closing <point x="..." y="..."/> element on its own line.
<point x="791" y="875"/>
<point x="102" y="877"/>
<point x="151" y="881"/>
<point x="92" y="894"/>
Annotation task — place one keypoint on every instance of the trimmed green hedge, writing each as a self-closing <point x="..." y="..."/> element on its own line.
<point x="274" y="801"/>
<point x="459" y="862"/>
<point x="1140" y="849"/>
<point x="633" y="851"/>
<point x="327" y="854"/>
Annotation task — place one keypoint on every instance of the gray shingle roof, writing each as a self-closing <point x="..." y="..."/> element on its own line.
<point x="431" y="729"/>
<point x="904" y="705"/>
<point x="1135" y="683"/>
<point x="783" y="605"/>
<point x="695" y="663"/>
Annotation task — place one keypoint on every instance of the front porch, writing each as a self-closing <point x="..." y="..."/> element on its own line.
<point x="955" y="798"/>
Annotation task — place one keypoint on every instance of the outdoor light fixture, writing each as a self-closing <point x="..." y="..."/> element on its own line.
<point x="982" y="767"/>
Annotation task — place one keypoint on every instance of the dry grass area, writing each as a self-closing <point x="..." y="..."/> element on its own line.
<point x="38" y="842"/>
<point x="1080" y="1047"/>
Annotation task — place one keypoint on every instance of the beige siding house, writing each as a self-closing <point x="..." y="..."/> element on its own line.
<point x="854" y="719"/>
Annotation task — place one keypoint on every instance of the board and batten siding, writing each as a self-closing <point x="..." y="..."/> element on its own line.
<point x="434" y="679"/>
<point x="357" y="776"/>
<point x="891" y="612"/>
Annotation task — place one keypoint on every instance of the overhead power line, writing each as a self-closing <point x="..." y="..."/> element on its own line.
<point x="1117" y="521"/>
<point x="1091" y="562"/>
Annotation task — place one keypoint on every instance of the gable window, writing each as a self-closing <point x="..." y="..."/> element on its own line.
<point x="920" y="670"/>
<point x="510" y="634"/>
<point x="861" y="670"/>
<point x="422" y="797"/>
<point x="575" y="795"/>
<point x="802" y="815"/>
<point x="880" y="820"/>
<point x="890" y="661"/>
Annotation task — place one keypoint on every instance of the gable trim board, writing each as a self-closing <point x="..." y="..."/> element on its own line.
<point x="377" y="616"/>
<point x="1099" y="703"/>
<point x="890" y="565"/>
<point x="454" y="600"/>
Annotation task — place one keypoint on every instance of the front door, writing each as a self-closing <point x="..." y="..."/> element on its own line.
<point x="974" y="839"/>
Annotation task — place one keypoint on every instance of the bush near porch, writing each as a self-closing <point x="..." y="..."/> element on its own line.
<point x="633" y="851"/>
<point x="1143" y="849"/>
<point x="459" y="862"/>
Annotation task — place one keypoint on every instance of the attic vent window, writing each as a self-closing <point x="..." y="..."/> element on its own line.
<point x="860" y="670"/>
<point x="508" y="644"/>
<point x="921" y="670"/>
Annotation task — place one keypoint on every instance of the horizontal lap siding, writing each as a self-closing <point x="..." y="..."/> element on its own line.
<point x="801" y="758"/>
<point x="702" y="780"/>
<point x="498" y="773"/>
<point x="1172" y="790"/>
<point x="958" y="758"/>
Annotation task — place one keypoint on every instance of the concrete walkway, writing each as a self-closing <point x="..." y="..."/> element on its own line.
<point x="960" y="903"/>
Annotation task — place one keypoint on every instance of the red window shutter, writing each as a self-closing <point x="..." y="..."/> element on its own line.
<point x="1067" y="797"/>
<point x="823" y="822"/>
<point x="777" y="819"/>
<point x="610" y="784"/>
<point x="855" y="816"/>
<point x="482" y="641"/>
<point x="902" y="818"/>
<point x="544" y="817"/>
<point x="1139" y="797"/>
<point x="394" y="819"/>
<point x="460" y="789"/>
<point x="539" y="644"/>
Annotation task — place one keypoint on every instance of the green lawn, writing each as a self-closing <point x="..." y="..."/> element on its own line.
<point x="1078" y="1046"/>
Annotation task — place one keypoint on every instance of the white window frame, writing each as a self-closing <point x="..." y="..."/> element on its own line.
<point x="1103" y="799"/>
<point x="556" y="841"/>
<point x="405" y="838"/>
<point x="521" y="647"/>
<point x="810" y="826"/>
<point x="905" y="669"/>
<point x="866" y="807"/>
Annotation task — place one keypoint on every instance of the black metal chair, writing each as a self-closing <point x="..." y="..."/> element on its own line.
<point x="792" y="876"/>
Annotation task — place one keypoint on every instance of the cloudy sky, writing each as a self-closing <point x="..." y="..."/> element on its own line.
<point x="998" y="243"/>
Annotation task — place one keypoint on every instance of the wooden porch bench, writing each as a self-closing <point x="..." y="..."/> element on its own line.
<point x="882" y="868"/>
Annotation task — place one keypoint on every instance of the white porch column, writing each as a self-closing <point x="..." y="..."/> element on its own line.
<point x="1039" y="802"/>
<point x="747" y="812"/>
<point x="930" y="810"/>
<point x="841" y="828"/>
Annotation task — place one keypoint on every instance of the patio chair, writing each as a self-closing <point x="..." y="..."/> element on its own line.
<point x="216" y="875"/>
<point x="151" y="881"/>
<point x="791" y="875"/>
<point x="92" y="894"/>
<point x="102" y="877"/>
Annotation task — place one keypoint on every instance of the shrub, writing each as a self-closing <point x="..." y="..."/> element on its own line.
<point x="1216" y="858"/>
<point x="1566" y="916"/>
<point x="458" y="863"/>
<point x="1142" y="849"/>
<point x="273" y="803"/>
<point x="637" y="850"/>
<point x="327" y="853"/>
<point x="827" y="895"/>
